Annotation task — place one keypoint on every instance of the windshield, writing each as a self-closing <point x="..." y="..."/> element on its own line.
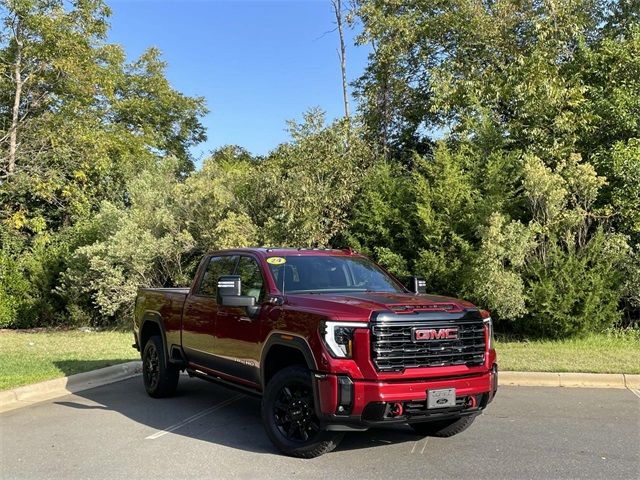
<point x="327" y="274"/>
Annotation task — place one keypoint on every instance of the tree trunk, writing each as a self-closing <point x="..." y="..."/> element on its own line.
<point x="337" y="7"/>
<point x="15" y="114"/>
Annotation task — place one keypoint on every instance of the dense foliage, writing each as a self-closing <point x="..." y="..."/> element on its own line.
<point x="496" y="153"/>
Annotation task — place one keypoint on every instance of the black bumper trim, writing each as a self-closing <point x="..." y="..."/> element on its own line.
<point x="337" y="423"/>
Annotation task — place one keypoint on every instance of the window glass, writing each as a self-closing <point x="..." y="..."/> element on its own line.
<point x="325" y="273"/>
<point x="217" y="267"/>
<point x="251" y="276"/>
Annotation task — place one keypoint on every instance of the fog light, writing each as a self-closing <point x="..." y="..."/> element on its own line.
<point x="345" y="395"/>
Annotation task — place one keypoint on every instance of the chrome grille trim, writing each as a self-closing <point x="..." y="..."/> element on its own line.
<point x="393" y="348"/>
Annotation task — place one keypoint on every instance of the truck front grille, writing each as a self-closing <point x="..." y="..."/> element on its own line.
<point x="394" y="348"/>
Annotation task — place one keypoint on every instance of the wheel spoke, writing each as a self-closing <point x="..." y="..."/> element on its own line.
<point x="281" y="406"/>
<point x="287" y="393"/>
<point x="151" y="367"/>
<point x="313" y="425"/>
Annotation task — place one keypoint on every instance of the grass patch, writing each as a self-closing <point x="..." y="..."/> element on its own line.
<point x="613" y="352"/>
<point x="30" y="357"/>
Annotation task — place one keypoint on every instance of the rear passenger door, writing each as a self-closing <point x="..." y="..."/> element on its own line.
<point x="238" y="328"/>
<point x="201" y="309"/>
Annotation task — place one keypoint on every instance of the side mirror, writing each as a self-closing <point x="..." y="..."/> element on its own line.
<point x="229" y="288"/>
<point x="419" y="285"/>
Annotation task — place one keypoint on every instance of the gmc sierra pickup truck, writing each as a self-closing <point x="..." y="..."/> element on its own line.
<point x="331" y="342"/>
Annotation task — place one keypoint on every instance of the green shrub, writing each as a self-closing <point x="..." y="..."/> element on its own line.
<point x="575" y="292"/>
<point x="14" y="289"/>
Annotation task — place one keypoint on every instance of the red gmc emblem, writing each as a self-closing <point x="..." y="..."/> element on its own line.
<point x="436" y="334"/>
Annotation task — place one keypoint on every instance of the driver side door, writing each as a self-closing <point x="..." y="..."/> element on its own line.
<point x="236" y="348"/>
<point x="201" y="309"/>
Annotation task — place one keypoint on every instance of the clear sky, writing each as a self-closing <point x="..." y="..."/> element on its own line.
<point x="257" y="63"/>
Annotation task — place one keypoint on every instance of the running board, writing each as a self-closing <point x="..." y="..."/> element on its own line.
<point x="213" y="379"/>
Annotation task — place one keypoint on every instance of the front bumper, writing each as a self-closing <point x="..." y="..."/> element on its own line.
<point x="346" y="404"/>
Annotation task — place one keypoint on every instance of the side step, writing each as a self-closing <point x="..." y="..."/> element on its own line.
<point x="210" y="378"/>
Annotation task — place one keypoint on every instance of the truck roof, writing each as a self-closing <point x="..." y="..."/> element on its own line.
<point x="288" y="251"/>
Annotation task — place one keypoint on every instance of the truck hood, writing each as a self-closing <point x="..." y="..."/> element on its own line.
<point x="359" y="306"/>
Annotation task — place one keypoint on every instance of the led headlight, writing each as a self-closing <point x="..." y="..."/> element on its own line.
<point x="338" y="337"/>
<point x="486" y="318"/>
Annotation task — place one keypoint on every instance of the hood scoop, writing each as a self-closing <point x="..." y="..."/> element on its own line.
<point x="430" y="307"/>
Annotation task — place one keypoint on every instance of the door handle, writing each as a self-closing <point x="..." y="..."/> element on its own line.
<point x="245" y="319"/>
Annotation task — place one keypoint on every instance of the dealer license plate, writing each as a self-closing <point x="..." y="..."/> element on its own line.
<point x="442" y="398"/>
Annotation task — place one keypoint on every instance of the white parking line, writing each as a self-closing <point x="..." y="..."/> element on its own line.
<point x="417" y="442"/>
<point x="195" y="417"/>
<point x="635" y="392"/>
<point x="425" y="446"/>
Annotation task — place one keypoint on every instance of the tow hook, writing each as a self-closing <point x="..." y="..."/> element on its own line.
<point x="470" y="402"/>
<point x="395" y="409"/>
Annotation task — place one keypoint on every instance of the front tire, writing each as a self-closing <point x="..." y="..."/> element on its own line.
<point x="289" y="416"/>
<point x="443" y="428"/>
<point x="160" y="379"/>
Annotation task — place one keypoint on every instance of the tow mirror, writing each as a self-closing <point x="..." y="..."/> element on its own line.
<point x="229" y="289"/>
<point x="419" y="285"/>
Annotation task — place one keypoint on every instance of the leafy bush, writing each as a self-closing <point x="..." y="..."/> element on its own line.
<point x="14" y="293"/>
<point x="142" y="245"/>
<point x="576" y="292"/>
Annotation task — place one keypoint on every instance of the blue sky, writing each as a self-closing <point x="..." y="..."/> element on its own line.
<point x="257" y="63"/>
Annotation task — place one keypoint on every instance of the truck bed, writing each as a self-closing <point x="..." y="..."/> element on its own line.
<point x="165" y="304"/>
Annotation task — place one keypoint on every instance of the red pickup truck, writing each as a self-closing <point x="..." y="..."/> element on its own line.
<point x="331" y="342"/>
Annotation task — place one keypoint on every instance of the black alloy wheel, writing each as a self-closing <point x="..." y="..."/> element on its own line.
<point x="294" y="414"/>
<point x="160" y="378"/>
<point x="151" y="366"/>
<point x="289" y="415"/>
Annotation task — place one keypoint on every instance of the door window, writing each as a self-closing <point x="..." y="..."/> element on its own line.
<point x="251" y="276"/>
<point x="217" y="267"/>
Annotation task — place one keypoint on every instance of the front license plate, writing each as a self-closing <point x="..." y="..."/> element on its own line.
<point x="442" y="398"/>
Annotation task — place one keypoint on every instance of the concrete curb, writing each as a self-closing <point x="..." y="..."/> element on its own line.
<point x="39" y="392"/>
<point x="58" y="387"/>
<point x="562" y="379"/>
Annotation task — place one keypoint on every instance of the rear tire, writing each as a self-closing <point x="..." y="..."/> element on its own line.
<point x="443" y="428"/>
<point x="289" y="416"/>
<point x="160" y="379"/>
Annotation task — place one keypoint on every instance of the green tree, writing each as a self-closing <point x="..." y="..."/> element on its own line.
<point x="77" y="124"/>
<point x="311" y="182"/>
<point x="220" y="201"/>
<point x="534" y="177"/>
<point x="143" y="244"/>
<point x="81" y="120"/>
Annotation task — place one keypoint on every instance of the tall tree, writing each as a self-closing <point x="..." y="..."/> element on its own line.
<point x="48" y="52"/>
<point x="536" y="102"/>
<point x="77" y="125"/>
<point x="17" y="97"/>
<point x="447" y="63"/>
<point x="342" y="54"/>
<point x="76" y="120"/>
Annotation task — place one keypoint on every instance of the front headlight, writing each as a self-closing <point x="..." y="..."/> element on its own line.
<point x="489" y="324"/>
<point x="338" y="337"/>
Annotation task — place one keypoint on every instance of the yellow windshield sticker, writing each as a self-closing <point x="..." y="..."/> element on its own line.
<point x="276" y="260"/>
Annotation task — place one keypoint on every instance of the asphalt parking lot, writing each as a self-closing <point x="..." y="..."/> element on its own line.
<point x="208" y="431"/>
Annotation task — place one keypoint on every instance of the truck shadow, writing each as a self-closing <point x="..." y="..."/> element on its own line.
<point x="207" y="412"/>
<point x="71" y="367"/>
